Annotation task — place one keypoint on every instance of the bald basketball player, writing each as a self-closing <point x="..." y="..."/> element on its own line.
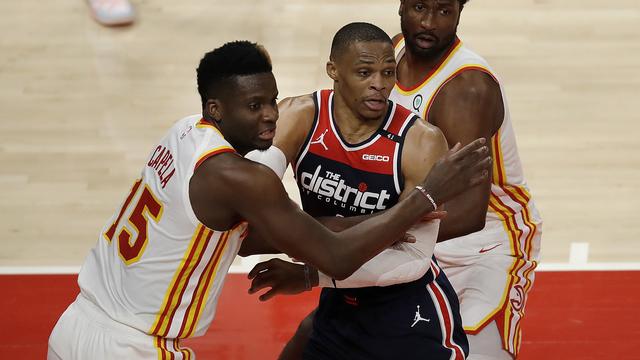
<point x="490" y="239"/>
<point x="346" y="145"/>
<point x="155" y="274"/>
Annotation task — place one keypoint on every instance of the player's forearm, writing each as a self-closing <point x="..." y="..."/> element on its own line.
<point x="338" y="223"/>
<point x="401" y="263"/>
<point x="358" y="244"/>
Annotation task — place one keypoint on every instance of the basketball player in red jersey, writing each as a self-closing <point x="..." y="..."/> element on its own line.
<point x="355" y="153"/>
<point x="490" y="240"/>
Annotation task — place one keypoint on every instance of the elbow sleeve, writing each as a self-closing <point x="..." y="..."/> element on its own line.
<point x="402" y="263"/>
<point x="273" y="158"/>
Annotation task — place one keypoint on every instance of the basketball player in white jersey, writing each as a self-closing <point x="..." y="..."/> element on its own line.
<point x="158" y="267"/>
<point x="454" y="88"/>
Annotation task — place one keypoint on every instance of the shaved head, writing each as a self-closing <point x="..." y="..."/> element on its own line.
<point x="356" y="32"/>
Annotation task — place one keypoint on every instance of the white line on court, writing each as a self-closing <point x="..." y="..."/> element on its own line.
<point x="243" y="269"/>
<point x="579" y="253"/>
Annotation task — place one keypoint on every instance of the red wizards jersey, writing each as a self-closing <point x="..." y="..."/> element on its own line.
<point x="338" y="178"/>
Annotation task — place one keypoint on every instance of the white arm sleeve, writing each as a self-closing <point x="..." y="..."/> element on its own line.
<point x="272" y="157"/>
<point x="398" y="264"/>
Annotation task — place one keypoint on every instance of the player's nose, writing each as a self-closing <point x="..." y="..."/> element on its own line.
<point x="270" y="113"/>
<point x="377" y="82"/>
<point x="428" y="21"/>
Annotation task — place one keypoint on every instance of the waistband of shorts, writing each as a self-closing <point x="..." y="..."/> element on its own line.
<point x="381" y="295"/>
<point x="97" y="315"/>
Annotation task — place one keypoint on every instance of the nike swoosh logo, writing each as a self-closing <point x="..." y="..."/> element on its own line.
<point x="483" y="250"/>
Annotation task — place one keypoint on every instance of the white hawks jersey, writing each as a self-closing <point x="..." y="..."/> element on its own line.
<point x="510" y="195"/>
<point x="489" y="287"/>
<point x="155" y="267"/>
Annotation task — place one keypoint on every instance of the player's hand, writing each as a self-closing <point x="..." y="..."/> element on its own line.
<point x="405" y="238"/>
<point x="409" y="238"/>
<point x="434" y="215"/>
<point x="282" y="277"/>
<point x="458" y="170"/>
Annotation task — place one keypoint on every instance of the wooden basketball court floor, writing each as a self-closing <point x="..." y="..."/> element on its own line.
<point x="81" y="105"/>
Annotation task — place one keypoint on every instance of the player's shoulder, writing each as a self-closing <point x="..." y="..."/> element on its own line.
<point x="184" y="122"/>
<point x="465" y="54"/>
<point x="190" y="118"/>
<point x="298" y="104"/>
<point x="395" y="40"/>
<point x="472" y="83"/>
<point x="423" y="135"/>
<point x="474" y="73"/>
<point x="232" y="172"/>
<point x="296" y="118"/>
<point x="423" y="145"/>
<point x="420" y="130"/>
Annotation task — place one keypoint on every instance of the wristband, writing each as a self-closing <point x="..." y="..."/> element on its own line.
<point x="424" y="192"/>
<point x="307" y="281"/>
<point x="325" y="281"/>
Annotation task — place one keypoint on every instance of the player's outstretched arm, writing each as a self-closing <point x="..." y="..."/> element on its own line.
<point x="468" y="107"/>
<point x="407" y="262"/>
<point x="227" y="189"/>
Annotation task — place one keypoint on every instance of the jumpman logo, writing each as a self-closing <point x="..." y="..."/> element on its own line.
<point x="320" y="140"/>
<point x="418" y="317"/>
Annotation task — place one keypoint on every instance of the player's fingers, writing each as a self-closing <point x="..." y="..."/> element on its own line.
<point x="269" y="294"/>
<point x="484" y="164"/>
<point x="260" y="282"/>
<point x="479" y="178"/>
<point x="472" y="158"/>
<point x="259" y="268"/>
<point x="434" y="215"/>
<point x="455" y="148"/>
<point x="408" y="238"/>
<point x="467" y="149"/>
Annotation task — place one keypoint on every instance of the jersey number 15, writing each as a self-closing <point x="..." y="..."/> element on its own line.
<point x="146" y="205"/>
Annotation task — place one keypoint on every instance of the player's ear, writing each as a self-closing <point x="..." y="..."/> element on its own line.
<point x="401" y="7"/>
<point x="332" y="70"/>
<point x="213" y="110"/>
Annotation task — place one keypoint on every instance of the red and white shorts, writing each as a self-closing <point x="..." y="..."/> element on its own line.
<point x="492" y="271"/>
<point x="84" y="331"/>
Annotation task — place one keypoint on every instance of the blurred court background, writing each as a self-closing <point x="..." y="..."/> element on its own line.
<point x="81" y="106"/>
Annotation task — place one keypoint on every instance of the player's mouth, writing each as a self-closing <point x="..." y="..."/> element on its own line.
<point x="426" y="41"/>
<point x="375" y="103"/>
<point x="267" y="134"/>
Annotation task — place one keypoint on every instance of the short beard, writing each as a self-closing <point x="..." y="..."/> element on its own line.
<point x="445" y="43"/>
<point x="264" y="147"/>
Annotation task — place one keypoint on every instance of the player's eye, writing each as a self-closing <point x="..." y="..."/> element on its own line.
<point x="254" y="106"/>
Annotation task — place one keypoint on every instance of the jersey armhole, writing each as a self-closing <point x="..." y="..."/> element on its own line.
<point x="462" y="69"/>
<point x="403" y="133"/>
<point x="316" y="116"/>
